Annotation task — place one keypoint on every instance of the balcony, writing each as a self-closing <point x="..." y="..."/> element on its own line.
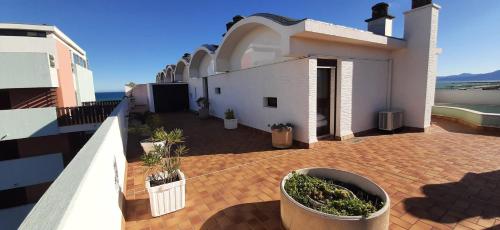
<point x="84" y="118"/>
<point x="27" y="70"/>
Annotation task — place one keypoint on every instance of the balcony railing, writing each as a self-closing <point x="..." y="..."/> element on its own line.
<point x="89" y="113"/>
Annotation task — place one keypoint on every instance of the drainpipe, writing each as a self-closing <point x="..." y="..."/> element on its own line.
<point x="388" y="102"/>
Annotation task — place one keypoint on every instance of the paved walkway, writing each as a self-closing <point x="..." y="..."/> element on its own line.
<point x="446" y="179"/>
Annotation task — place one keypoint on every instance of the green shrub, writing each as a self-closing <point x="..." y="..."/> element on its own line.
<point x="229" y="114"/>
<point x="331" y="197"/>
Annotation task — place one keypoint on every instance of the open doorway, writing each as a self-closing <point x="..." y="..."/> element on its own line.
<point x="326" y="97"/>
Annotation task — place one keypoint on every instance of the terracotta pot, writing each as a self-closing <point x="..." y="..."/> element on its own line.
<point x="294" y="215"/>
<point x="203" y="113"/>
<point x="230" y="123"/>
<point x="167" y="198"/>
<point x="282" y="138"/>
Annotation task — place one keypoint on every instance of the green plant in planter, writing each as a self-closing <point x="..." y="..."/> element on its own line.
<point x="282" y="127"/>
<point x="161" y="164"/>
<point x="139" y="129"/>
<point x="153" y="120"/>
<point x="159" y="134"/>
<point x="332" y="197"/>
<point x="202" y="102"/>
<point x="229" y="114"/>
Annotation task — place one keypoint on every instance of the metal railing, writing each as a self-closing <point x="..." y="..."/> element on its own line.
<point x="91" y="112"/>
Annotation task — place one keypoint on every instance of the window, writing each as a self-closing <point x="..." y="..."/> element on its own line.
<point x="52" y="62"/>
<point x="79" y="60"/>
<point x="22" y="33"/>
<point x="271" y="102"/>
<point x="217" y="90"/>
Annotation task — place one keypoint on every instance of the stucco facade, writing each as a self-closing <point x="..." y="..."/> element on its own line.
<point x="265" y="56"/>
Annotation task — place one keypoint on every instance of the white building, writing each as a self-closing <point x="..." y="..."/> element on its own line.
<point x="43" y="75"/>
<point x="326" y="79"/>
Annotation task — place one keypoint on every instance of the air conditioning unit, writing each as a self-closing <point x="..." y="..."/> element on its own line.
<point x="390" y="120"/>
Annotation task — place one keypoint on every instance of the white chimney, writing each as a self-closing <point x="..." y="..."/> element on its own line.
<point x="380" y="22"/>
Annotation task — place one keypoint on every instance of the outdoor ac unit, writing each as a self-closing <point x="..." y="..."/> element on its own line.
<point x="390" y="120"/>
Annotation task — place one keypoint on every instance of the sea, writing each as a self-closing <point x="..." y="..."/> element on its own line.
<point x="107" y="96"/>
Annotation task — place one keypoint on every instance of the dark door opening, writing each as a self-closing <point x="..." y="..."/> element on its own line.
<point x="205" y="88"/>
<point x="323" y="102"/>
<point x="170" y="97"/>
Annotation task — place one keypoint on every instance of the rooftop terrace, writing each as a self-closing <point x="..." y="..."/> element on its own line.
<point x="446" y="179"/>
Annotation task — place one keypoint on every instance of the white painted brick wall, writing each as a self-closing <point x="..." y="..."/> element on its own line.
<point x="345" y="97"/>
<point x="312" y="101"/>
<point x="244" y="91"/>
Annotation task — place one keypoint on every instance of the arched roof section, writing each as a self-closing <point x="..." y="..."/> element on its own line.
<point x="256" y="40"/>
<point x="162" y="77"/>
<point x="169" y="73"/>
<point x="181" y="72"/>
<point x="203" y="61"/>
<point x="157" y="78"/>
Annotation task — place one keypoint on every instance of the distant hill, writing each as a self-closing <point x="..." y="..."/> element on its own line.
<point x="493" y="76"/>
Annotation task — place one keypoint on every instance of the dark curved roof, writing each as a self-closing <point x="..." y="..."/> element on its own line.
<point x="211" y="47"/>
<point x="286" y="21"/>
<point x="170" y="65"/>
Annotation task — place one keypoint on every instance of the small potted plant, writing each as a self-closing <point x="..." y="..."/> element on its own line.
<point x="203" y="112"/>
<point x="165" y="182"/>
<point x="282" y="135"/>
<point x="157" y="137"/>
<point x="230" y="121"/>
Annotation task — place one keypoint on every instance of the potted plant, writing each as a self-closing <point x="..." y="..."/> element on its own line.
<point x="230" y="121"/>
<point x="282" y="135"/>
<point x="327" y="198"/>
<point x="203" y="111"/>
<point x="165" y="182"/>
<point x="157" y="138"/>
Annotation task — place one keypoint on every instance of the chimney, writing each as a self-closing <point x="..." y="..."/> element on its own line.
<point x="419" y="3"/>
<point x="380" y="22"/>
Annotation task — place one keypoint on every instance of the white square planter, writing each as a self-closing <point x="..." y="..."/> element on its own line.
<point x="167" y="198"/>
<point x="147" y="146"/>
<point x="230" y="123"/>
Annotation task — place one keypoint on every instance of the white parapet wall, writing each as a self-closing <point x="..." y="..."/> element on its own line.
<point x="473" y="97"/>
<point x="88" y="194"/>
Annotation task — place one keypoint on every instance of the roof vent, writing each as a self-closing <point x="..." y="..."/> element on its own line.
<point x="380" y="22"/>
<point x="186" y="57"/>
<point x="380" y="10"/>
<point x="420" y="3"/>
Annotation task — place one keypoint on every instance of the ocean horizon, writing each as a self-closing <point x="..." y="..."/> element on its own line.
<point x="107" y="96"/>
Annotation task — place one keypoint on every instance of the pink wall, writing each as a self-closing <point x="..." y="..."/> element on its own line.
<point x="66" y="96"/>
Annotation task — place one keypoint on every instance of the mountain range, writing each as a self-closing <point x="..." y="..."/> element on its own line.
<point x="493" y="76"/>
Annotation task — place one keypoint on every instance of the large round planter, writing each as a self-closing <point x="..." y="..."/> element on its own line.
<point x="230" y="123"/>
<point x="282" y="138"/>
<point x="167" y="198"/>
<point x="147" y="145"/>
<point x="294" y="215"/>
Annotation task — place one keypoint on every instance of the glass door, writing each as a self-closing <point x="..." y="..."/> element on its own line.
<point x="323" y="102"/>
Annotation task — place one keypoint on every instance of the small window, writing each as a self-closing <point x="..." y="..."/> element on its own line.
<point x="217" y="90"/>
<point x="271" y="102"/>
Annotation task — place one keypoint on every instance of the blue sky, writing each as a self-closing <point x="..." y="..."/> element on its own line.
<point x="132" y="40"/>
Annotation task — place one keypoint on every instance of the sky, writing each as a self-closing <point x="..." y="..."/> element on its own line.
<point x="128" y="40"/>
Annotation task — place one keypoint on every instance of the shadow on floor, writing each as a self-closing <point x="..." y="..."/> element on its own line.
<point x="137" y="209"/>
<point x="475" y="195"/>
<point x="208" y="137"/>
<point x="260" y="215"/>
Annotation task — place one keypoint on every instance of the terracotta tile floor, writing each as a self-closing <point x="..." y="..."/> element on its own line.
<point x="448" y="178"/>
